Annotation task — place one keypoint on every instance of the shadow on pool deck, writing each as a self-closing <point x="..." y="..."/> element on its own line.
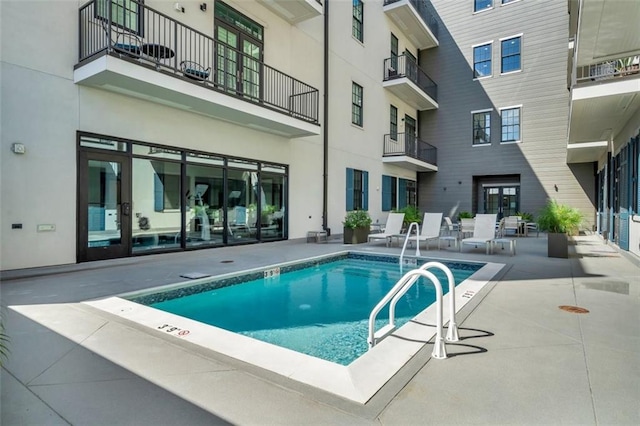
<point x="521" y="359"/>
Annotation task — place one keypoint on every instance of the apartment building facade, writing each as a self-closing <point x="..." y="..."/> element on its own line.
<point x="132" y="128"/>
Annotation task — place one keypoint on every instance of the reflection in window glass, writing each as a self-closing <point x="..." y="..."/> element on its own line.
<point x="479" y="5"/>
<point x="482" y="128"/>
<point x="204" y="205"/>
<point x="156" y="205"/>
<point x="482" y="61"/>
<point x="510" y="125"/>
<point x="272" y="206"/>
<point x="511" y="55"/>
<point x="242" y="206"/>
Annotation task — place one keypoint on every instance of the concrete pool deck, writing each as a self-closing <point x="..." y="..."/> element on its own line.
<point x="520" y="360"/>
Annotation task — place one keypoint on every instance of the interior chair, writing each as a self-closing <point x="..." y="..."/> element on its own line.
<point x="484" y="231"/>
<point x="430" y="229"/>
<point x="194" y="70"/>
<point x="392" y="228"/>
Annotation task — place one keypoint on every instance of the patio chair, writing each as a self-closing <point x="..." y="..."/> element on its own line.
<point x="123" y="42"/>
<point x="194" y="70"/>
<point x="451" y="233"/>
<point x="511" y="223"/>
<point x="501" y="238"/>
<point x="466" y="227"/>
<point x="483" y="232"/>
<point x="430" y="228"/>
<point x="392" y="228"/>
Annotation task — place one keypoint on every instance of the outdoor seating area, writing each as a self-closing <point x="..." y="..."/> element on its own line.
<point x="482" y="231"/>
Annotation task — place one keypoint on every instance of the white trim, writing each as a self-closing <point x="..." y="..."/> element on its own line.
<point x="510" y="107"/>
<point x="481" y="110"/>
<point x="513" y="142"/>
<point x="511" y="2"/>
<point x="474" y="145"/>
<point x="483" y="44"/>
<point x="512" y="72"/>
<point x="510" y="37"/>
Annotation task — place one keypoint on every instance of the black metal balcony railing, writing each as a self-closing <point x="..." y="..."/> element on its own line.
<point x="606" y="70"/>
<point x="150" y="38"/>
<point x="423" y="11"/>
<point x="407" y="144"/>
<point x="405" y="66"/>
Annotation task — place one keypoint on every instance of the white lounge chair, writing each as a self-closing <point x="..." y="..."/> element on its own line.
<point x="484" y="231"/>
<point x="430" y="229"/>
<point x="391" y="229"/>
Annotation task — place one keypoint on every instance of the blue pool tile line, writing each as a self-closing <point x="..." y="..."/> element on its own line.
<point x="215" y="284"/>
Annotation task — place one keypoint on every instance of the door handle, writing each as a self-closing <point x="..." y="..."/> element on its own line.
<point x="126" y="209"/>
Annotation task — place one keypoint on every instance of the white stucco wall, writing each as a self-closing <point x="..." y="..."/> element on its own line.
<point x="43" y="109"/>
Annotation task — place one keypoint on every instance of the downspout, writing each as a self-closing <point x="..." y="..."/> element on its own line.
<point x="325" y="132"/>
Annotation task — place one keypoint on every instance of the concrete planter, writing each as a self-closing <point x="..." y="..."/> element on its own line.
<point x="356" y="235"/>
<point x="557" y="245"/>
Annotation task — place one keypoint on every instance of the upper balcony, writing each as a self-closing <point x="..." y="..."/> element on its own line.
<point x="414" y="20"/>
<point x="604" y="97"/>
<point x="294" y="11"/>
<point x="157" y="58"/>
<point x="408" y="151"/>
<point x="404" y="78"/>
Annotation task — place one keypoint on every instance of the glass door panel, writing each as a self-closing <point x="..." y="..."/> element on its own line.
<point x="272" y="217"/>
<point x="105" y="206"/>
<point x="227" y="59"/>
<point x="410" y="136"/>
<point x="502" y="200"/>
<point x="156" y="205"/>
<point x="242" y="206"/>
<point x="204" y="220"/>
<point x="251" y="69"/>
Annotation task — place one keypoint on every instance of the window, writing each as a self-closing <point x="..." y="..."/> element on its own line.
<point x="389" y="193"/>
<point x="357" y="19"/>
<point x="407" y="193"/>
<point x="124" y="13"/>
<point x="510" y="55"/>
<point x="482" y="61"/>
<point x="480" y="5"/>
<point x="393" y="123"/>
<point x="508" y="1"/>
<point x="481" y="127"/>
<point x="356" y="104"/>
<point x="357" y="190"/>
<point x="510" y="124"/>
<point x="394" y="52"/>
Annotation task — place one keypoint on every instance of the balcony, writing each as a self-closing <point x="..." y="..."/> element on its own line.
<point x="415" y="21"/>
<point x="604" y="97"/>
<point x="169" y="63"/>
<point x="410" y="152"/>
<point x="405" y="79"/>
<point x="294" y="11"/>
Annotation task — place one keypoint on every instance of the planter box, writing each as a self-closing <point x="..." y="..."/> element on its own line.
<point x="558" y="245"/>
<point x="356" y="236"/>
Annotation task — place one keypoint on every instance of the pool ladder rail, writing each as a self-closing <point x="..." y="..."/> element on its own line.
<point x="399" y="289"/>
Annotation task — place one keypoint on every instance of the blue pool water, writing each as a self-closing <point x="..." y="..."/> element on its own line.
<point x="321" y="310"/>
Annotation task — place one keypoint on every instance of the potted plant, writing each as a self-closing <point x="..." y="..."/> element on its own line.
<point x="559" y="221"/>
<point x="465" y="215"/>
<point x="356" y="227"/>
<point x="411" y="214"/>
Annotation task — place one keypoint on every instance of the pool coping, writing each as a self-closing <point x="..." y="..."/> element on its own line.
<point x="357" y="382"/>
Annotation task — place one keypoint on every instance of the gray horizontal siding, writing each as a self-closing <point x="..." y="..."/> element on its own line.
<point x="540" y="88"/>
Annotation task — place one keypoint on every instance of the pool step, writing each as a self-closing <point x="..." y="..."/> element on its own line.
<point x="383" y="332"/>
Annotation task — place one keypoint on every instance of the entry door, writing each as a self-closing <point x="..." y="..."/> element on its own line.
<point x="238" y="67"/>
<point x="410" y="136"/>
<point x="104" y="212"/>
<point x="502" y="200"/>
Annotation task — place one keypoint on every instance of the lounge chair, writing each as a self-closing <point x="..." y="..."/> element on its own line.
<point x="391" y="229"/>
<point x="484" y="231"/>
<point x="430" y="229"/>
<point x="501" y="238"/>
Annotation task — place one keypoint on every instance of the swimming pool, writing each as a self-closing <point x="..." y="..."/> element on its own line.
<point x="320" y="310"/>
<point x="358" y="381"/>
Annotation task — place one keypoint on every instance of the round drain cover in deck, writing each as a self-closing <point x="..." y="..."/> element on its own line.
<point x="574" y="309"/>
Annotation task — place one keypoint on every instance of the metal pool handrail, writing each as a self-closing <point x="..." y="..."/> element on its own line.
<point x="403" y="284"/>
<point x="452" y="330"/>
<point x="406" y="240"/>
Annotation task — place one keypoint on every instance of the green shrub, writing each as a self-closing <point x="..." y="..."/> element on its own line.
<point x="527" y="217"/>
<point x="465" y="215"/>
<point x="357" y="219"/>
<point x="411" y="214"/>
<point x="559" y="218"/>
